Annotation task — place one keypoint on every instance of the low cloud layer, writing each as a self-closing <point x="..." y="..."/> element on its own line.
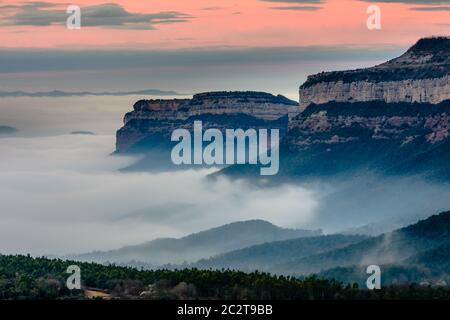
<point x="63" y="194"/>
<point x="277" y="70"/>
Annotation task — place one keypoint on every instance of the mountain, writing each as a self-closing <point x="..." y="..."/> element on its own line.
<point x="153" y="120"/>
<point x="59" y="93"/>
<point x="148" y="128"/>
<point x="263" y="257"/>
<point x="430" y="267"/>
<point x="389" y="138"/>
<point x="384" y="226"/>
<point x="420" y="75"/>
<point x="419" y="253"/>
<point x="392" y="119"/>
<point x="437" y="259"/>
<point x="198" y="245"/>
<point x="412" y="245"/>
<point x="7" y="130"/>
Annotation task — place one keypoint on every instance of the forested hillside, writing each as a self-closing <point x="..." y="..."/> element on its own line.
<point x="24" y="277"/>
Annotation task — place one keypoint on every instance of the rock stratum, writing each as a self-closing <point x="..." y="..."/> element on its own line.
<point x="152" y="121"/>
<point x="422" y="75"/>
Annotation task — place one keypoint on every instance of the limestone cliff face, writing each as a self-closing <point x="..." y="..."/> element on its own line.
<point x="394" y="138"/>
<point x="256" y="104"/>
<point x="393" y="118"/>
<point x="337" y="123"/>
<point x="404" y="98"/>
<point x="152" y="121"/>
<point x="421" y="90"/>
<point x="422" y="75"/>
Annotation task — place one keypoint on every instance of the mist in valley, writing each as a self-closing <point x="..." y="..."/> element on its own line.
<point x="62" y="193"/>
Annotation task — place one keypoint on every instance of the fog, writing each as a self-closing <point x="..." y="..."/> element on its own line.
<point x="380" y="204"/>
<point x="55" y="116"/>
<point x="63" y="193"/>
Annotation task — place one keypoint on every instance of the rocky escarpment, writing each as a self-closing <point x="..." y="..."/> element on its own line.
<point x="393" y="138"/>
<point x="151" y="122"/>
<point x="335" y="123"/>
<point x="422" y="75"/>
<point x="392" y="118"/>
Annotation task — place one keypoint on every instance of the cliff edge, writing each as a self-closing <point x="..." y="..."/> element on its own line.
<point x="422" y="74"/>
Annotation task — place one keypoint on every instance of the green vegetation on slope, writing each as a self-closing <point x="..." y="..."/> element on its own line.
<point x="263" y="257"/>
<point x="24" y="277"/>
<point x="418" y="252"/>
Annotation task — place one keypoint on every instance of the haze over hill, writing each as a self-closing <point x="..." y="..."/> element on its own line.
<point x="263" y="257"/>
<point x="400" y="247"/>
<point x="415" y="253"/>
<point x="198" y="245"/>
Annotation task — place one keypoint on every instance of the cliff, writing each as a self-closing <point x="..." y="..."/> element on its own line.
<point x="422" y="74"/>
<point x="392" y="119"/>
<point x="389" y="138"/>
<point x="151" y="122"/>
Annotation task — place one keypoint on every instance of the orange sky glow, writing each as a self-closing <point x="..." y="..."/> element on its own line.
<point x="241" y="23"/>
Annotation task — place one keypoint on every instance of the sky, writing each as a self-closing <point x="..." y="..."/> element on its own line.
<point x="176" y="24"/>
<point x="202" y="45"/>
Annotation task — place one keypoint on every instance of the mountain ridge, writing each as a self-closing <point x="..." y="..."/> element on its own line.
<point x="259" y="257"/>
<point x="198" y="245"/>
<point x="390" y="248"/>
<point x="415" y="253"/>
